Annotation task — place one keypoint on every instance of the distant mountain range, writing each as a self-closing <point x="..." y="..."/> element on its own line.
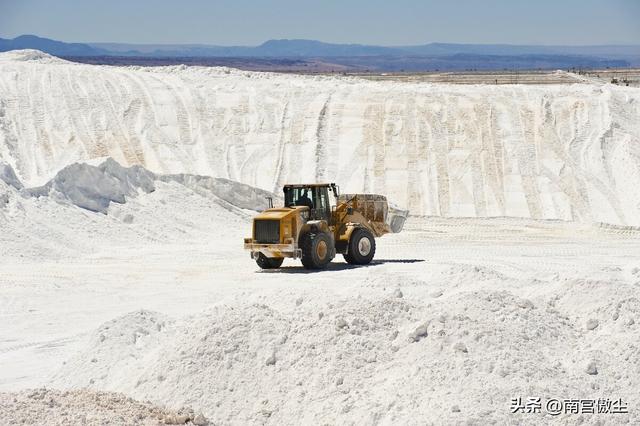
<point x="53" y="47"/>
<point x="441" y="55"/>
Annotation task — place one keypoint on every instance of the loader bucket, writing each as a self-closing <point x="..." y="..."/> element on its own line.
<point x="382" y="216"/>
<point x="396" y="218"/>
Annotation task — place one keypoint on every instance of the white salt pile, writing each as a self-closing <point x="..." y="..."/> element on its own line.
<point x="84" y="407"/>
<point x="354" y="360"/>
<point x="563" y="151"/>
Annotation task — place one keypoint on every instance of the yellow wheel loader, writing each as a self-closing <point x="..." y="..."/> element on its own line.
<point x="316" y="223"/>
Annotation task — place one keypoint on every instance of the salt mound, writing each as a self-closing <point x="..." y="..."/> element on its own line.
<point x="94" y="188"/>
<point x="234" y="193"/>
<point x="32" y="55"/>
<point x="239" y="364"/>
<point x="53" y="227"/>
<point x="54" y="407"/>
<point x="8" y="176"/>
<point x="358" y="360"/>
<point x="118" y="346"/>
<point x="567" y="152"/>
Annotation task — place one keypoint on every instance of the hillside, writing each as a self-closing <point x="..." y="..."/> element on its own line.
<point x="566" y="152"/>
<point x="53" y="47"/>
<point x="313" y="48"/>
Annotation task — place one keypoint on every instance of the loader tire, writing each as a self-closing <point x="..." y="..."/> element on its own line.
<point x="265" y="262"/>
<point x="361" y="248"/>
<point x="317" y="249"/>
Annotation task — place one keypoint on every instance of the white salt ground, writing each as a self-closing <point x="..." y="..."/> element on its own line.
<point x="156" y="299"/>
<point x="150" y="294"/>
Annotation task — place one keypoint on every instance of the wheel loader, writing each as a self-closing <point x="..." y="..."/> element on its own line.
<point x="316" y="223"/>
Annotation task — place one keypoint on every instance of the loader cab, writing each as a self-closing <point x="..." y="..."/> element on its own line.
<point x="314" y="196"/>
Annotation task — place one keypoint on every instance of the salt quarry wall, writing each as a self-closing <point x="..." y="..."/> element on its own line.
<point x="569" y="152"/>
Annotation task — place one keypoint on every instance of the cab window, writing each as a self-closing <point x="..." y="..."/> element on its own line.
<point x="299" y="197"/>
<point x="322" y="209"/>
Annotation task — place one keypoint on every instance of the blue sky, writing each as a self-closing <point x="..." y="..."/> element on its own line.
<point x="399" y="22"/>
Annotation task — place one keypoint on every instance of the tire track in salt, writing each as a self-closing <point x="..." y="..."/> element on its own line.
<point x="496" y="149"/>
<point x="476" y="163"/>
<point x="39" y="116"/>
<point x="566" y="179"/>
<point x="440" y="147"/>
<point x="236" y="152"/>
<point x="370" y="147"/>
<point x="597" y="139"/>
<point x="379" y="147"/>
<point x="97" y="113"/>
<point x="294" y="153"/>
<point x="490" y="162"/>
<point x="26" y="131"/>
<point x="179" y="148"/>
<point x="284" y="120"/>
<point x="79" y="98"/>
<point x="137" y="111"/>
<point x="527" y="157"/>
<point x="333" y="147"/>
<point x="410" y="138"/>
<point x="81" y="135"/>
<point x="114" y="115"/>
<point x="205" y="142"/>
<point x="576" y="156"/>
<point x="183" y="119"/>
<point x="426" y="167"/>
<point x="321" y="151"/>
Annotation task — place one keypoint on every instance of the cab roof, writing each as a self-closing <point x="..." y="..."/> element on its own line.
<point x="308" y="185"/>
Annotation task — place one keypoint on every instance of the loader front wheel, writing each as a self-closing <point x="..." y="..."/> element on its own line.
<point x="265" y="262"/>
<point x="361" y="248"/>
<point x="316" y="250"/>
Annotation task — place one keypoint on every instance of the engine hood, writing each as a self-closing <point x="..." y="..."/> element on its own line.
<point x="280" y="212"/>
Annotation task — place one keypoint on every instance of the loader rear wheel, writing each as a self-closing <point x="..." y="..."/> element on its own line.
<point x="269" y="262"/>
<point x="361" y="248"/>
<point x="316" y="250"/>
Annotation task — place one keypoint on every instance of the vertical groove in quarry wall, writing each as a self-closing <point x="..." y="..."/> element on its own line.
<point x="569" y="152"/>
